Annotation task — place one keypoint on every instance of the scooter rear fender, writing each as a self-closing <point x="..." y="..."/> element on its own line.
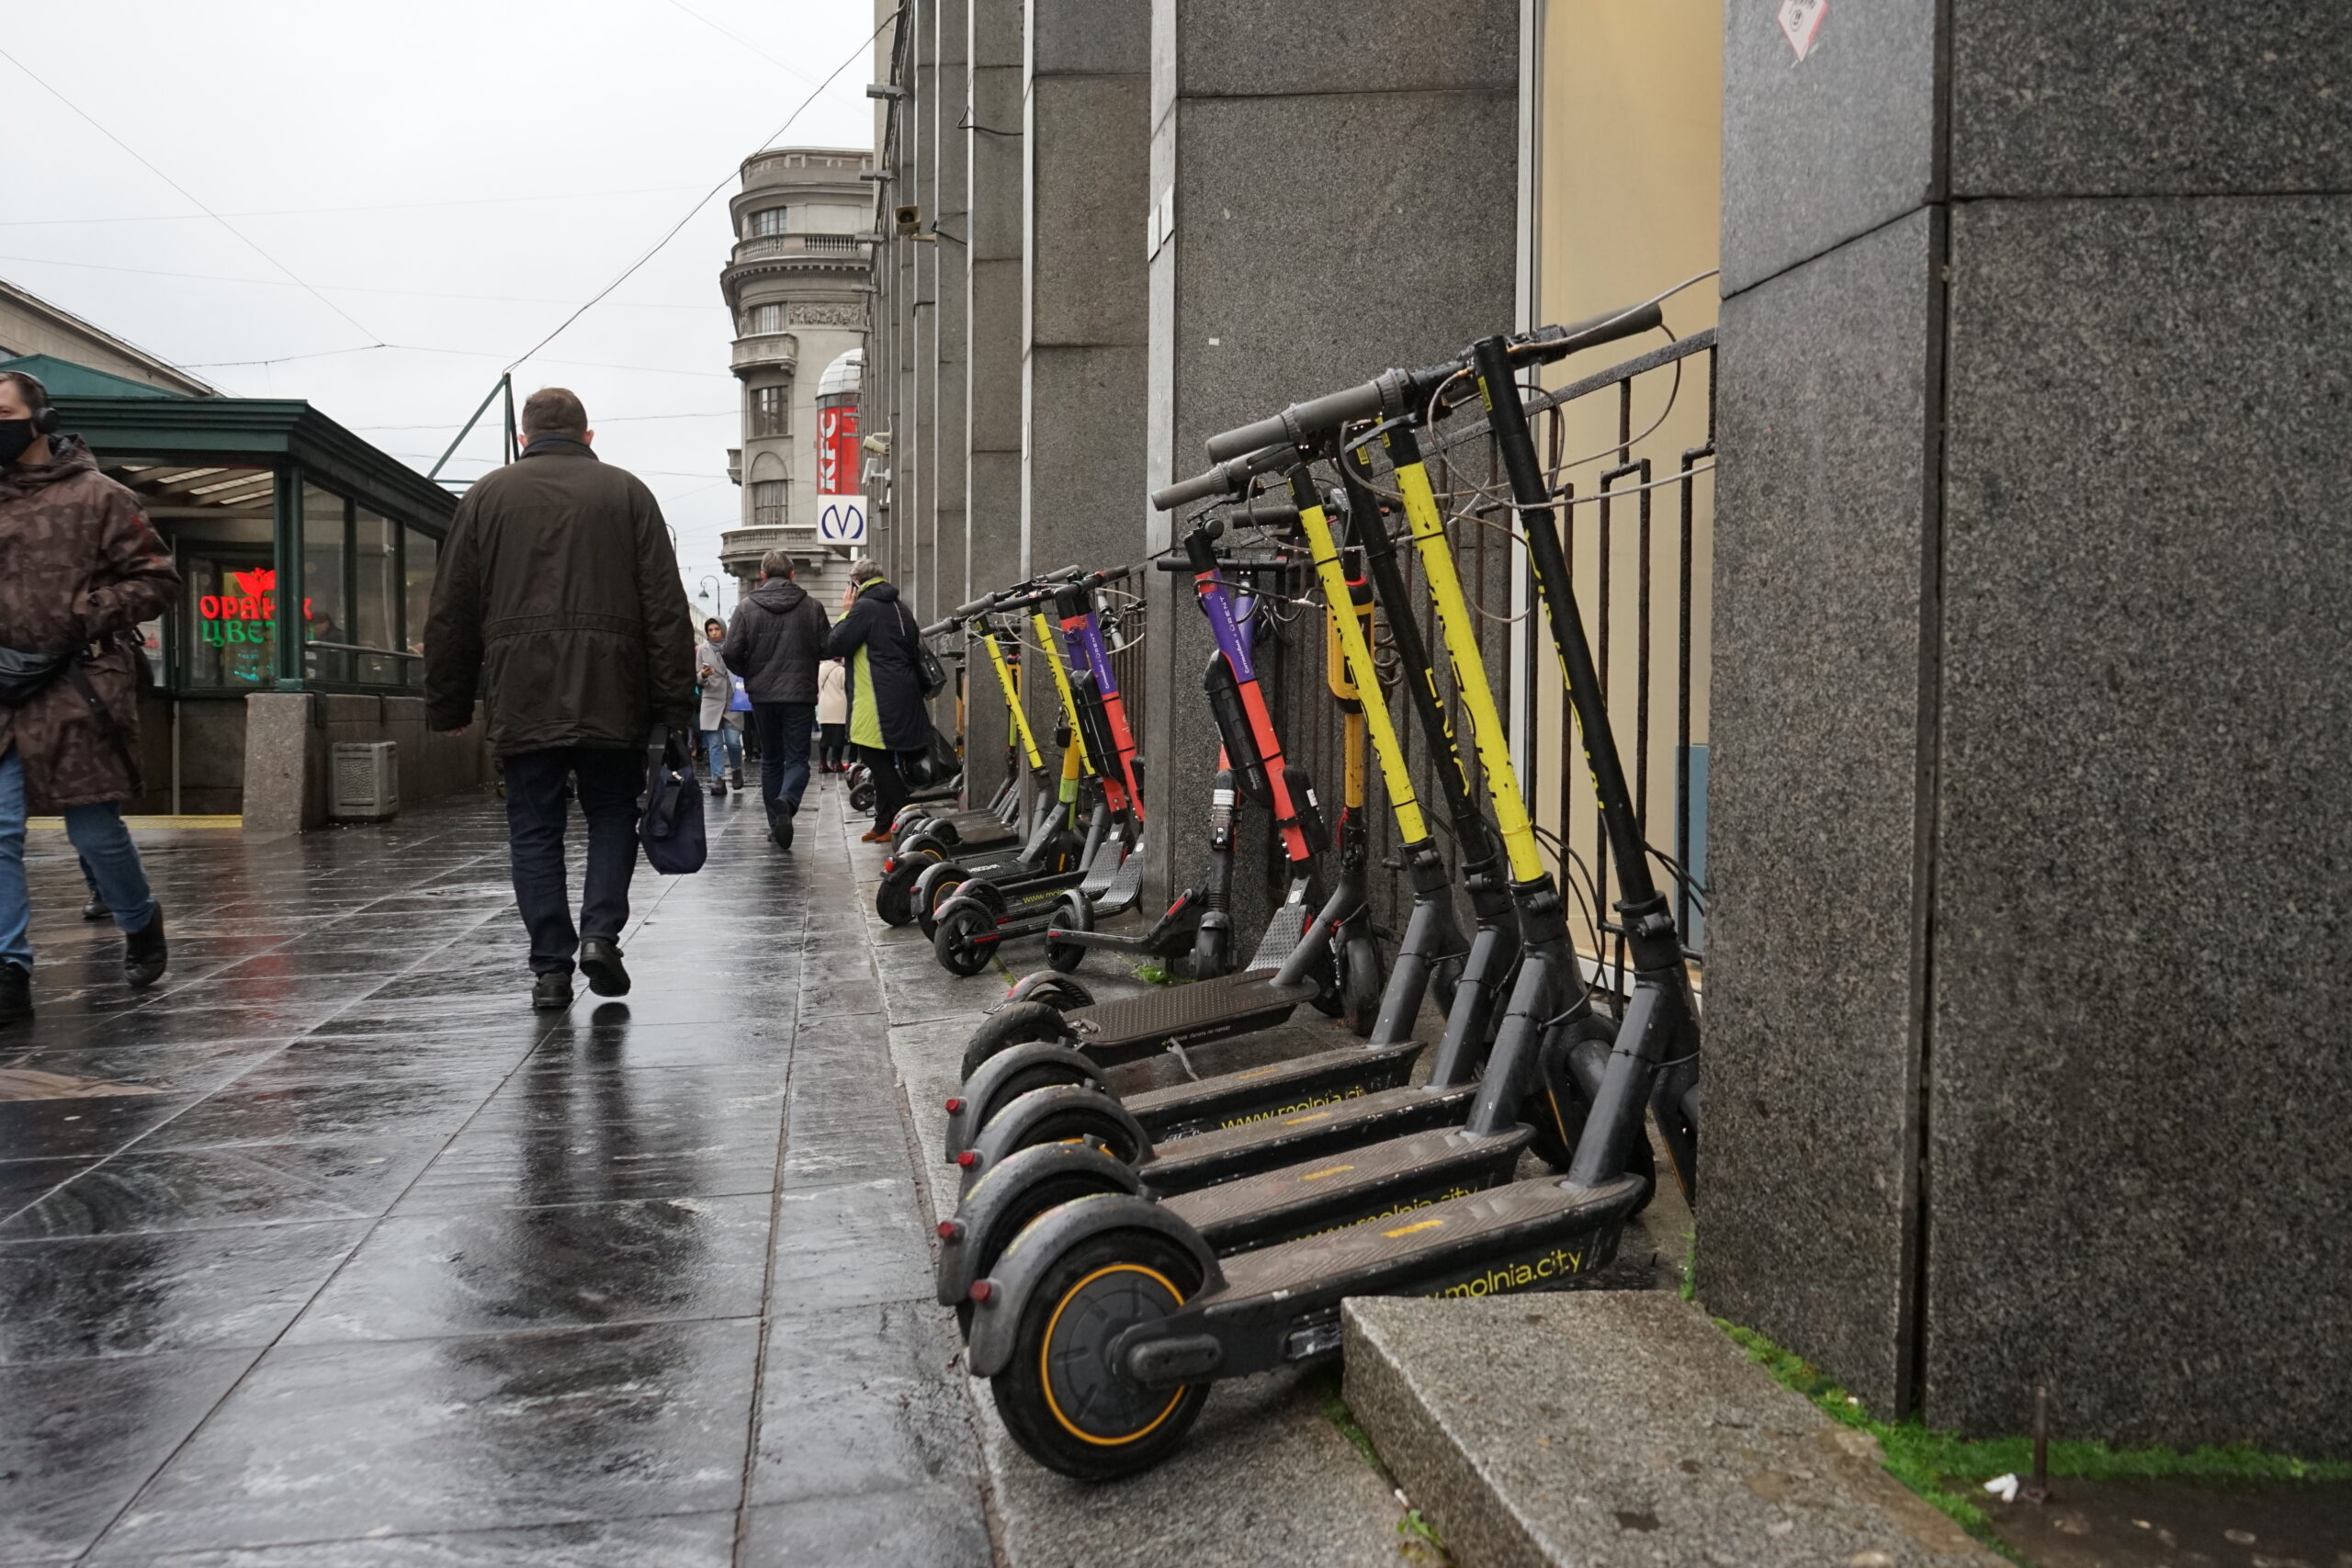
<point x="996" y="1321"/>
<point x="983" y="1094"/>
<point x="1004" y="1200"/>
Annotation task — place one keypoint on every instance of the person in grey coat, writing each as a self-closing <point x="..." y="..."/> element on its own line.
<point x="774" y="644"/>
<point x="722" y="733"/>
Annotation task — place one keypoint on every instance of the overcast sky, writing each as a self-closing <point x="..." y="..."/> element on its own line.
<point x="456" y="177"/>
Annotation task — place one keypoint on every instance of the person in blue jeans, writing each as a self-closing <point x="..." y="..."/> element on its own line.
<point x="558" y="604"/>
<point x="775" y="643"/>
<point x="80" y="568"/>
<point x="722" y="732"/>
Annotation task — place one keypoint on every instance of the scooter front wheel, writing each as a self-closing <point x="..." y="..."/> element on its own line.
<point x="965" y="938"/>
<point x="893" y="898"/>
<point x="1075" y="914"/>
<point x="1065" y="1401"/>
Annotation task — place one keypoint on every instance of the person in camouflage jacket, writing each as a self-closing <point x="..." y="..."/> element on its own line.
<point x="80" y="568"/>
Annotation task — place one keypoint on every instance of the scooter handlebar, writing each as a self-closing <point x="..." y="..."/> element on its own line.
<point x="1394" y="391"/>
<point x="1228" y="477"/>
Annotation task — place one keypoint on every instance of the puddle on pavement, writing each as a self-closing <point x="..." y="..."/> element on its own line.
<point x="24" y="1083"/>
<point x="2180" y="1524"/>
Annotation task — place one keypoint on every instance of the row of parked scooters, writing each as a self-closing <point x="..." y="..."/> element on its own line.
<point x="1113" y="1254"/>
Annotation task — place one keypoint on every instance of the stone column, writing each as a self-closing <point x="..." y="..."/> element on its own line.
<point x="950" y="250"/>
<point x="2026" y="993"/>
<point x="922" y="582"/>
<point x="1314" y="225"/>
<point x="905" y="483"/>
<point x="1086" y="109"/>
<point x="993" y="380"/>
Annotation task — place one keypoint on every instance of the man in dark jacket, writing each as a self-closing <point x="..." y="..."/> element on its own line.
<point x="887" y="715"/>
<point x="559" y="601"/>
<point x="775" y="644"/>
<point x="79" y="569"/>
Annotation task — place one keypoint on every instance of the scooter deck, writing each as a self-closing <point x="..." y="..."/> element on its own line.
<point x="1276" y="1140"/>
<point x="1350" y="1188"/>
<point x="1277" y="1089"/>
<point x="973" y="830"/>
<point x="1132" y="1027"/>
<point x="1523" y="1235"/>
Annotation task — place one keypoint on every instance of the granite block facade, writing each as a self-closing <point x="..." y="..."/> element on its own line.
<point x="2028" y="823"/>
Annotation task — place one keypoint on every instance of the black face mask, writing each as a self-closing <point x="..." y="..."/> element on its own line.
<point x="15" y="437"/>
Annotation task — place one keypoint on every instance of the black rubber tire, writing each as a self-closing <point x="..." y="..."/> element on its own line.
<point x="1359" y="985"/>
<point x="1042" y="1074"/>
<point x="1055" y="991"/>
<point x="926" y="904"/>
<point x="1557" y="1112"/>
<point x="861" y="798"/>
<point x="1102" y="1286"/>
<point x="954" y="944"/>
<point x="892" y="898"/>
<point x="1048" y="1194"/>
<point x="1073" y="913"/>
<point x="1326" y="999"/>
<point x="1090" y="1117"/>
<point x="1016" y="1023"/>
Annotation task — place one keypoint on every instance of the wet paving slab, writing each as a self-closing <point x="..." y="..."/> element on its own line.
<point x="330" y="1251"/>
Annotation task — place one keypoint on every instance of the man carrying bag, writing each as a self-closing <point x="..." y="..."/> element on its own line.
<point x="559" y="601"/>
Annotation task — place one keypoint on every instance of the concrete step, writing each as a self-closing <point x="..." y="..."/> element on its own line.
<point x="1597" y="1428"/>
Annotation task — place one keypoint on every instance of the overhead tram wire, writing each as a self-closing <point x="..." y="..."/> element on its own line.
<point x="243" y="237"/>
<point x="629" y="271"/>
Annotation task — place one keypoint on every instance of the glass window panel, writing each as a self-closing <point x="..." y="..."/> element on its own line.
<point x="768" y="220"/>
<point x="375" y="606"/>
<point x="325" y="616"/>
<point x="768" y="410"/>
<point x="423" y="557"/>
<point x="762" y="319"/>
<point x="767" y="503"/>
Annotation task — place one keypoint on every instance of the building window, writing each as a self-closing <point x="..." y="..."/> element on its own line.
<point x="325" y="539"/>
<point x="418" y="564"/>
<point x="768" y="406"/>
<point x="768" y="220"/>
<point x="375" y="608"/>
<point x="767" y="503"/>
<point x="762" y="319"/>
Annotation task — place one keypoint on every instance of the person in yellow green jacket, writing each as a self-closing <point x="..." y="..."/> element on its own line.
<point x="888" y="718"/>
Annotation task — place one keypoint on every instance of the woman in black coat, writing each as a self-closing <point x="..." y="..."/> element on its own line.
<point x="887" y="715"/>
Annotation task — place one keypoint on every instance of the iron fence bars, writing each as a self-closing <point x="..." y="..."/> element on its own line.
<point x="1612" y="442"/>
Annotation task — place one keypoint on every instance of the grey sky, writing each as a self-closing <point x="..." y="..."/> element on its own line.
<point x="456" y="176"/>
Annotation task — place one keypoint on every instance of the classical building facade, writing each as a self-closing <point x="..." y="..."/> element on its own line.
<point x="797" y="283"/>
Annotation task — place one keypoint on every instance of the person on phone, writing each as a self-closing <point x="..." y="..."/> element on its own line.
<point x="559" y="602"/>
<point x="878" y="639"/>
<point x="722" y="734"/>
<point x="79" y="569"/>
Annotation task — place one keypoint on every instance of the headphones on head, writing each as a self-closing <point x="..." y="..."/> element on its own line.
<point x="44" y="411"/>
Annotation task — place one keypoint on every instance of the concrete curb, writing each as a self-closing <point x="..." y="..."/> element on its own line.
<point x="1604" y="1427"/>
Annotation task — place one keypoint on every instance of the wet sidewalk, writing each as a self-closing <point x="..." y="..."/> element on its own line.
<point x="330" y="1251"/>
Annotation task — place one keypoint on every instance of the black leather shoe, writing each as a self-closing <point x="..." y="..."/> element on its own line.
<point x="551" y="992"/>
<point x="600" y="960"/>
<point x="780" y="830"/>
<point x="718" y="788"/>
<point x="16" y="994"/>
<point x="735" y="778"/>
<point x="96" y="910"/>
<point x="145" y="954"/>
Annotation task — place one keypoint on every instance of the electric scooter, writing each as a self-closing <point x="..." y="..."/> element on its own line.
<point x="973" y="914"/>
<point x="1103" y="1322"/>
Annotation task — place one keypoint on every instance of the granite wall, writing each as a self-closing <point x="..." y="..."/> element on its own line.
<point x="2032" y="836"/>
<point x="1315" y="225"/>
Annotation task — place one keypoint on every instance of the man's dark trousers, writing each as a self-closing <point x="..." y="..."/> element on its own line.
<point x="610" y="780"/>
<point x="784" y="729"/>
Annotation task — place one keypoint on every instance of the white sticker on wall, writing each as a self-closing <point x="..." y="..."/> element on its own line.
<point x="1801" y="20"/>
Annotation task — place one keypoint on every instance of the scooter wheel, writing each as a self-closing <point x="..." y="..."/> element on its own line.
<point x="861" y="798"/>
<point x="1063" y="1399"/>
<point x="1016" y="1023"/>
<point x="1557" y="1108"/>
<point x="1327" y="998"/>
<point x="1045" y="1195"/>
<point x="1359" y="985"/>
<point x="1075" y="914"/>
<point x="892" y="900"/>
<point x="929" y="898"/>
<point x="965" y="940"/>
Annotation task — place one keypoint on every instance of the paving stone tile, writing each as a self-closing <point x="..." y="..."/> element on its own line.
<point x="938" y="1526"/>
<point x="570" y="1266"/>
<point x="81" y="1437"/>
<point x="328" y="1441"/>
<point x="247" y="1185"/>
<point x="682" y="1540"/>
<point x="863" y="1400"/>
<point x="850" y="1245"/>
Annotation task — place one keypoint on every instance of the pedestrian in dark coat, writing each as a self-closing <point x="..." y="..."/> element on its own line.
<point x="559" y="602"/>
<point x="79" y="569"/>
<point x="776" y="643"/>
<point x="887" y="717"/>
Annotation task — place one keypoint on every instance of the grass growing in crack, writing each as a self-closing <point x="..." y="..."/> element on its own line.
<point x="1157" y="974"/>
<point x="1325" y="1382"/>
<point x="1950" y="1471"/>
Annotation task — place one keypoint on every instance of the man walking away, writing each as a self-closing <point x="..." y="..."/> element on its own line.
<point x="720" y="734"/>
<point x="79" y="569"/>
<point x="775" y="643"/>
<point x="559" y="601"/>
<point x="832" y="717"/>
<point x="887" y="715"/>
